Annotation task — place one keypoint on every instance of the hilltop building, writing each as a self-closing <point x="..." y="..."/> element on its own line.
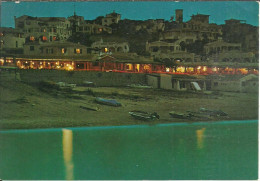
<point x="112" y="18"/>
<point x="45" y="29"/>
<point x="110" y="47"/>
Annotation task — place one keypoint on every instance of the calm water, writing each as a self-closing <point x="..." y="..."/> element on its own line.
<point x="220" y="150"/>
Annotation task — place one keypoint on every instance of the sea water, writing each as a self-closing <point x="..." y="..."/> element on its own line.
<point x="217" y="150"/>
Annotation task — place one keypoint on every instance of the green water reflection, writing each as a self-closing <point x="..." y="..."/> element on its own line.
<point x="204" y="151"/>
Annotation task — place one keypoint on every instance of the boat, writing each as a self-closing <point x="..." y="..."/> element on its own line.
<point x="180" y="115"/>
<point x="144" y="115"/>
<point x="109" y="102"/>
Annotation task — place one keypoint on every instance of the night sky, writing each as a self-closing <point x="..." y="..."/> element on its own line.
<point x="218" y="11"/>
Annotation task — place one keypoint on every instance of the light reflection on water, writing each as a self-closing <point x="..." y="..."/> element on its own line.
<point x="175" y="151"/>
<point x="67" y="143"/>
<point x="200" y="137"/>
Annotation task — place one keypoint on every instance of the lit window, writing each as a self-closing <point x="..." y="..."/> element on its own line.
<point x="106" y="49"/>
<point x="44" y="38"/>
<point x="32" y="38"/>
<point x="77" y="51"/>
<point x="100" y="29"/>
<point x="1" y="34"/>
<point x="54" y="38"/>
<point x="63" y="50"/>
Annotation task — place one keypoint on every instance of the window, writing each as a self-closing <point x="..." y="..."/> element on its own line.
<point x="47" y="51"/>
<point x="215" y="83"/>
<point x="63" y="50"/>
<point x="16" y="44"/>
<point x="32" y="38"/>
<point x="1" y="44"/>
<point x="54" y="38"/>
<point x="31" y="48"/>
<point x="243" y="84"/>
<point x="100" y="29"/>
<point x="44" y="38"/>
<point x="77" y="51"/>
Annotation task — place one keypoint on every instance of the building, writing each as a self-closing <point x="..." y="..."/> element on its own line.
<point x="55" y="49"/>
<point x="179" y="15"/>
<point x="176" y="82"/>
<point x="93" y="29"/>
<point x="164" y="50"/>
<point x="248" y="83"/>
<point x="45" y="29"/>
<point x="220" y="46"/>
<point x="11" y="41"/>
<point x="220" y="51"/>
<point x="110" y="47"/>
<point x="112" y="18"/>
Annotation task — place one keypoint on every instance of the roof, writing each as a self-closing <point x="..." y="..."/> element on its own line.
<point x="56" y="44"/>
<point x="203" y="15"/>
<point x="42" y="18"/>
<point x="222" y="43"/>
<point x="163" y="43"/>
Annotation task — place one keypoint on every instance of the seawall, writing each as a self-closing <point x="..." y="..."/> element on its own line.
<point x="78" y="77"/>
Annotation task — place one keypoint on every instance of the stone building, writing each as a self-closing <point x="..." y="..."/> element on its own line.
<point x="111" y="19"/>
<point x="45" y="29"/>
<point x="93" y="29"/>
<point x="248" y="83"/>
<point x="164" y="50"/>
<point x="220" y="46"/>
<point x="197" y="28"/>
<point x="237" y="31"/>
<point x="220" y="51"/>
<point x="11" y="41"/>
<point x="60" y="49"/>
<point x="110" y="47"/>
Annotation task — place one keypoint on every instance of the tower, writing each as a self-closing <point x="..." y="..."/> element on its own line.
<point x="179" y="15"/>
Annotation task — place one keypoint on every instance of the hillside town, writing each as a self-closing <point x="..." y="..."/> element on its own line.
<point x="109" y="43"/>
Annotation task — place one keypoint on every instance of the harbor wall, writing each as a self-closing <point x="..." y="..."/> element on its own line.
<point x="78" y="77"/>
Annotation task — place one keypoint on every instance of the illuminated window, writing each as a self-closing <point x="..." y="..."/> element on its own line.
<point x="54" y="38"/>
<point x="1" y="43"/>
<point x="100" y="29"/>
<point x="63" y="50"/>
<point x="106" y="49"/>
<point x="44" y="38"/>
<point x="32" y="38"/>
<point x="1" y="34"/>
<point x="77" y="51"/>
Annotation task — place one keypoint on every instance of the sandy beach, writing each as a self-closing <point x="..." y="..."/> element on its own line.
<point x="24" y="106"/>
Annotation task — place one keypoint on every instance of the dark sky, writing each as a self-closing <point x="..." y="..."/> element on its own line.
<point x="218" y="11"/>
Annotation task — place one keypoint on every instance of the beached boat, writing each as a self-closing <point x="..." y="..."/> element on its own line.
<point x="108" y="102"/>
<point x="180" y="115"/>
<point x="144" y="115"/>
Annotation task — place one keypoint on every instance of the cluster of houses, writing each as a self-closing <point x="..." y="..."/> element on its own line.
<point x="43" y="43"/>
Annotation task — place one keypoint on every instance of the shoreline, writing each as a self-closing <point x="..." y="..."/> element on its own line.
<point x="197" y="123"/>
